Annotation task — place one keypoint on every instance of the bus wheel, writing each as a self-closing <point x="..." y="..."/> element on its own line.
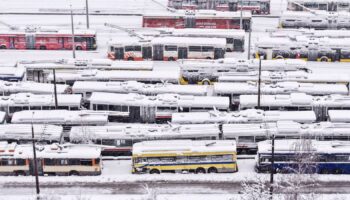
<point x="206" y="82"/>
<point x="209" y="58"/>
<point x="229" y="50"/>
<point x="78" y="48"/>
<point x="212" y="170"/>
<point x="171" y="59"/>
<point x="154" y="171"/>
<point x="130" y="59"/>
<point x="279" y="57"/>
<point x="42" y="48"/>
<point x="20" y="173"/>
<point x="2" y="47"/>
<point x="324" y="59"/>
<point x="200" y="171"/>
<point x="73" y="173"/>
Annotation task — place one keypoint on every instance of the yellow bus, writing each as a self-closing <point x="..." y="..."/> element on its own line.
<point x="184" y="156"/>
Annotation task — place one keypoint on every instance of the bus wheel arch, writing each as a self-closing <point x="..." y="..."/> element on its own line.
<point x="208" y="58"/>
<point x="130" y="59"/>
<point x="3" y="46"/>
<point x="42" y="47"/>
<point x="213" y="170"/>
<point x="73" y="173"/>
<point x="171" y="59"/>
<point x="20" y="173"/>
<point x="154" y="171"/>
<point x="279" y="57"/>
<point x="206" y="81"/>
<point x="79" y="48"/>
<point x="324" y="59"/>
<point x="200" y="170"/>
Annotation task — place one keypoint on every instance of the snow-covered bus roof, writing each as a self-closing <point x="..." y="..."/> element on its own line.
<point x="54" y="151"/>
<point x="293" y="33"/>
<point x="200" y="41"/>
<point x="339" y="115"/>
<point x="140" y="88"/>
<point x="295" y="146"/>
<point x="41" y="32"/>
<point x="295" y="100"/>
<point x="143" y="132"/>
<point x="28" y="99"/>
<point x="315" y="13"/>
<point x="195" y="32"/>
<point x="318" y="1"/>
<point x="123" y="75"/>
<point x="8" y="73"/>
<point x="64" y="117"/>
<point x="243" y="116"/>
<point x="31" y="87"/>
<point x="24" y="132"/>
<point x="160" y="100"/>
<point x="199" y="14"/>
<point x="298" y="76"/>
<point x="279" y="88"/>
<point x="183" y="147"/>
<point x="75" y="64"/>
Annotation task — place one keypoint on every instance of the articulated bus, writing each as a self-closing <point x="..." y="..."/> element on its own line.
<point x="209" y="19"/>
<point x="7" y="88"/>
<point x="309" y="49"/>
<point x="54" y="159"/>
<point x="327" y="5"/>
<point x="255" y="6"/>
<point x="310" y="156"/>
<point x="167" y="49"/>
<point x="56" y="40"/>
<point x="207" y="156"/>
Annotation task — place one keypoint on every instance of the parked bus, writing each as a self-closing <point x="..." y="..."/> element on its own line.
<point x="255" y="6"/>
<point x="208" y="156"/>
<point x="327" y="5"/>
<point x="7" y="88"/>
<point x="317" y="20"/>
<point x="167" y="48"/>
<point x="12" y="74"/>
<point x="120" y="138"/>
<point x="52" y="160"/>
<point x="56" y="40"/>
<point x="309" y="49"/>
<point x="140" y="108"/>
<point x="323" y="157"/>
<point x="197" y="19"/>
<point x="309" y="33"/>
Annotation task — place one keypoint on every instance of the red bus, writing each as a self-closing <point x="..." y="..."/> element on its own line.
<point x="197" y="19"/>
<point x="58" y="40"/>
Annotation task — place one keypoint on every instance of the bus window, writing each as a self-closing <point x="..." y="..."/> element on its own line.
<point x="132" y="48"/>
<point x="229" y="40"/>
<point x="102" y="107"/>
<point x="195" y="48"/>
<point x="15" y="109"/>
<point x="86" y="162"/>
<point x="207" y="49"/>
<point x="170" y="48"/>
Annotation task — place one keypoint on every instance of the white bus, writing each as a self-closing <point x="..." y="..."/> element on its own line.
<point x="12" y="73"/>
<point x="86" y="88"/>
<point x="140" y="108"/>
<point x="27" y="101"/>
<point x="167" y="48"/>
<point x="327" y="5"/>
<point x="242" y="116"/>
<point x="7" y="88"/>
<point x="297" y="101"/>
<point x="98" y="75"/>
<point x="120" y="138"/>
<point x="309" y="33"/>
<point x="39" y="70"/>
<point x="52" y="160"/>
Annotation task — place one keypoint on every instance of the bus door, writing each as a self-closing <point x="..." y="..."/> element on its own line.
<point x="182" y="53"/>
<point x="38" y="165"/>
<point x="30" y="41"/>
<point x="148" y="114"/>
<point x="218" y="53"/>
<point x="312" y="55"/>
<point x="232" y="6"/>
<point x="134" y="114"/>
<point x="119" y="53"/>
<point x="190" y="21"/>
<point x="158" y="52"/>
<point x="12" y="43"/>
<point x="332" y="6"/>
<point x="61" y="42"/>
<point x="146" y="52"/>
<point x="238" y="45"/>
<point x="337" y="55"/>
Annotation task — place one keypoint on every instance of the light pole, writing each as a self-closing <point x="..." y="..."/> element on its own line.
<point x="35" y="164"/>
<point x="87" y="14"/>
<point x="249" y="39"/>
<point x="55" y="88"/>
<point x="72" y="23"/>
<point x="259" y="82"/>
<point x="241" y="18"/>
<point x="272" y="169"/>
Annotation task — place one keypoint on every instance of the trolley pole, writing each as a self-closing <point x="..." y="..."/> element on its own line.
<point x="259" y="83"/>
<point x="55" y="88"/>
<point x="87" y="14"/>
<point x="35" y="164"/>
<point x="72" y="23"/>
<point x="249" y="40"/>
<point x="272" y="169"/>
<point x="241" y="18"/>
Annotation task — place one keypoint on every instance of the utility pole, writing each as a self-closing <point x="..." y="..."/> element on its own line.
<point x="259" y="82"/>
<point x="249" y="40"/>
<point x="72" y="22"/>
<point x="87" y="14"/>
<point x="55" y="88"/>
<point x="35" y="162"/>
<point x="272" y="170"/>
<point x="241" y="18"/>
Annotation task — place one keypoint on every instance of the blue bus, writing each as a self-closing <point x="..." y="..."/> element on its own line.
<point x="304" y="156"/>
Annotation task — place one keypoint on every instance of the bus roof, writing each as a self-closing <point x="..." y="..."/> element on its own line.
<point x="143" y="132"/>
<point x="339" y="115"/>
<point x="9" y="72"/>
<point x="161" y="100"/>
<point x="318" y="1"/>
<point x="68" y="32"/>
<point x="31" y="87"/>
<point x="199" y="14"/>
<point x="83" y="117"/>
<point x="24" y="132"/>
<point x="243" y="116"/>
<point x="138" y="87"/>
<point x="180" y="147"/>
<point x="190" y="41"/>
<point x="229" y="33"/>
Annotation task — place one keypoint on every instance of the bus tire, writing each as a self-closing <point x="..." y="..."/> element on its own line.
<point x="42" y="47"/>
<point x="130" y="59"/>
<point x="209" y="58"/>
<point x="324" y="59"/>
<point x="205" y="82"/>
<point x="171" y="59"/>
<point x="2" y="47"/>
<point x="73" y="173"/>
<point x="279" y="57"/>
<point x="20" y="173"/>
<point x="78" y="48"/>
<point x="212" y="170"/>
<point x="200" y="170"/>
<point x="154" y="171"/>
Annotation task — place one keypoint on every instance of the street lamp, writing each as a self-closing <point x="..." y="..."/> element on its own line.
<point x="272" y="169"/>
<point x="259" y="82"/>
<point x="72" y="24"/>
<point x="87" y="14"/>
<point x="35" y="164"/>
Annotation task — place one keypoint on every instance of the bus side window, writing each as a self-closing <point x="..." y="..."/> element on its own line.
<point x="86" y="162"/>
